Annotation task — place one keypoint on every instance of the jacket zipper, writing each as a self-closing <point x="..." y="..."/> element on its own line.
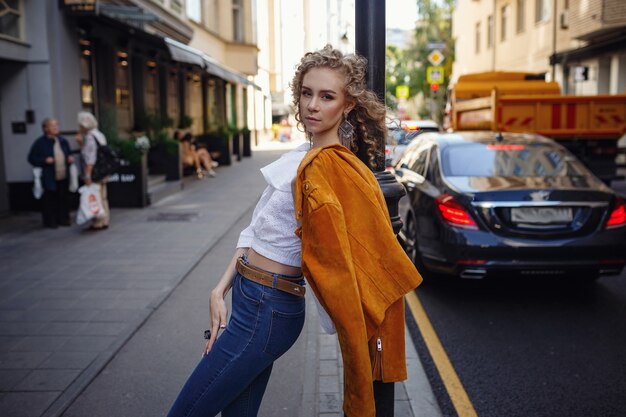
<point x="379" y="355"/>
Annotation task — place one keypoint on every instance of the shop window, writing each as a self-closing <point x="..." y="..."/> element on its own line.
<point x="122" y="92"/>
<point x="86" y="75"/>
<point x="11" y="18"/>
<point x="238" y="21"/>
<point x="151" y="87"/>
<point x="194" y="101"/>
<point x="173" y="106"/>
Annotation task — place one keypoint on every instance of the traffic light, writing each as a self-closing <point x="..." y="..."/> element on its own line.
<point x="434" y="87"/>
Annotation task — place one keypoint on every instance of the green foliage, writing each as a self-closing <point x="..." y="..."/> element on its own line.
<point x="434" y="26"/>
<point x="127" y="149"/>
<point x="185" y="121"/>
<point x="155" y="128"/>
<point x="169" y="144"/>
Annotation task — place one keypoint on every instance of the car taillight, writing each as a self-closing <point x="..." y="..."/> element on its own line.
<point x="618" y="215"/>
<point x="454" y="213"/>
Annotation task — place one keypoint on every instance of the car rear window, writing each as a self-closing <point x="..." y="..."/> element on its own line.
<point x="508" y="160"/>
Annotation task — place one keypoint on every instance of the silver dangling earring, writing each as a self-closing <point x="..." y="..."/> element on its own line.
<point x="346" y="132"/>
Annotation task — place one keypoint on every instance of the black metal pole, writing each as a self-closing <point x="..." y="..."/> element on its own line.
<point x="370" y="42"/>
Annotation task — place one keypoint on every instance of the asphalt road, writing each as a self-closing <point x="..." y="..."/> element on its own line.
<point x="540" y="347"/>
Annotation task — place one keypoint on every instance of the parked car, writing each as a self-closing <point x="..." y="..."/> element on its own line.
<point x="400" y="134"/>
<point x="482" y="204"/>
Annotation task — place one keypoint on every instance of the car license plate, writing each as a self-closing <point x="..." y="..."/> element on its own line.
<point x="541" y="215"/>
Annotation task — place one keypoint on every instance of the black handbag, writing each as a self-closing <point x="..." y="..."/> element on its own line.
<point x="107" y="162"/>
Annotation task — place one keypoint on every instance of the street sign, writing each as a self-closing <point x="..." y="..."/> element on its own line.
<point x="434" y="75"/>
<point x="436" y="57"/>
<point x="402" y="91"/>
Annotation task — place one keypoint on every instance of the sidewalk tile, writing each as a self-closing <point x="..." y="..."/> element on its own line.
<point x="47" y="380"/>
<point x="26" y="404"/>
<point x="68" y="360"/>
<point x="22" y="360"/>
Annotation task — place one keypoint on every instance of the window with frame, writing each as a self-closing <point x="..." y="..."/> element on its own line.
<point x="521" y="16"/>
<point x="151" y="87"/>
<point x="86" y="75"/>
<point x="213" y="16"/>
<point x="238" y="21"/>
<point x="194" y="10"/>
<point x="11" y="19"/>
<point x="489" y="31"/>
<point x="122" y="92"/>
<point x="542" y="10"/>
<point x="504" y="21"/>
<point x="477" y="38"/>
<point x="173" y="106"/>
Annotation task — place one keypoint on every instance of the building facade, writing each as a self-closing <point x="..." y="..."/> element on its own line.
<point x="578" y="43"/>
<point x="129" y="62"/>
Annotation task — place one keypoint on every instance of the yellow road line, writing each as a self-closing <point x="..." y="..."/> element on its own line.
<point x="458" y="396"/>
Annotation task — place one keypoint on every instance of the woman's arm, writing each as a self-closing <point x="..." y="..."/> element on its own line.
<point x="217" y="305"/>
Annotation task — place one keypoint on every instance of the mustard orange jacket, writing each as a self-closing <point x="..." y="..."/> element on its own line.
<point x="356" y="267"/>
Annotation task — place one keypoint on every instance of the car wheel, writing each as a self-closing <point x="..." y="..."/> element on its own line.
<point x="412" y="251"/>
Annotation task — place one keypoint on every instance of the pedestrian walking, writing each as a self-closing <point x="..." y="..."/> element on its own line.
<point x="350" y="255"/>
<point x="87" y="136"/>
<point x="267" y="306"/>
<point x="51" y="152"/>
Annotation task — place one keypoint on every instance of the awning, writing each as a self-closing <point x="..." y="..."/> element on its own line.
<point x="593" y="49"/>
<point x="184" y="53"/>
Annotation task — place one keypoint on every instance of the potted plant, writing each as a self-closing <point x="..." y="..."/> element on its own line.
<point x="237" y="143"/>
<point x="128" y="187"/>
<point x="247" y="145"/>
<point x="220" y="144"/>
<point x="164" y="157"/>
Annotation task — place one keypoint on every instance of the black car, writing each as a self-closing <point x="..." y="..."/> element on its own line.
<point x="482" y="204"/>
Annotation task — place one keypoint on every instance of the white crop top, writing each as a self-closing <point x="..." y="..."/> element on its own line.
<point x="272" y="230"/>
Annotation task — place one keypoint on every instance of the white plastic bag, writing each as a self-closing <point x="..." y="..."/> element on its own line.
<point x="90" y="204"/>
<point x="73" y="178"/>
<point x="37" y="188"/>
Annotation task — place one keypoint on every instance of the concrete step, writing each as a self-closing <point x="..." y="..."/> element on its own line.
<point x="158" y="190"/>
<point x="154" y="180"/>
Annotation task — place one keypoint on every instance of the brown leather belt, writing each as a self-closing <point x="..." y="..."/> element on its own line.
<point x="266" y="278"/>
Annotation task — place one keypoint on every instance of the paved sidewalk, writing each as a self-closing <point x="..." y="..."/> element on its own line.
<point x="109" y="323"/>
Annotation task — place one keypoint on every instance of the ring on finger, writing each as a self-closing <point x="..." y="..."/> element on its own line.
<point x="222" y="326"/>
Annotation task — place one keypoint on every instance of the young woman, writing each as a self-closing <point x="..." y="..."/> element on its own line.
<point x="267" y="306"/>
<point x="350" y="255"/>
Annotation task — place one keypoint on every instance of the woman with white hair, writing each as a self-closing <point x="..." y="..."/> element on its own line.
<point x="87" y="136"/>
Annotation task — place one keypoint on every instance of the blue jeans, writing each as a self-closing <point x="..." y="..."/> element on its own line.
<point x="232" y="377"/>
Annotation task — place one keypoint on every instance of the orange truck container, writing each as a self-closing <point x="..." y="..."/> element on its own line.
<point x="589" y="126"/>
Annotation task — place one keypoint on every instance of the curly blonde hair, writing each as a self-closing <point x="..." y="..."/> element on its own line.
<point x="368" y="114"/>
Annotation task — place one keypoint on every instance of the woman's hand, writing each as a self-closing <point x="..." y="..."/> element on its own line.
<point x="219" y="314"/>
